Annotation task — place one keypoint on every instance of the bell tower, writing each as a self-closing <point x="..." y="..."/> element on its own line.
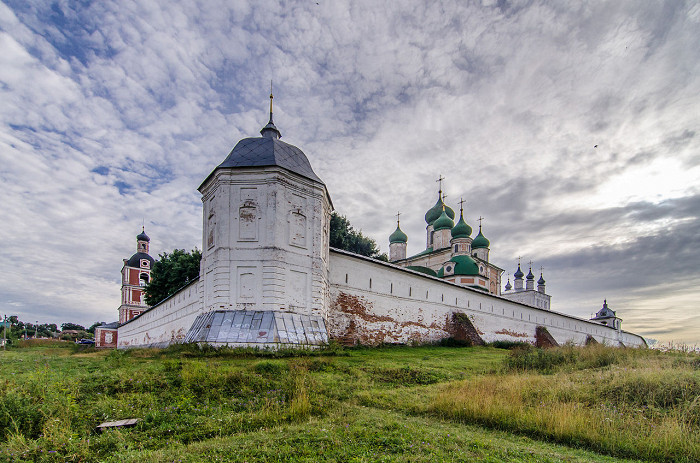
<point x="136" y="274"/>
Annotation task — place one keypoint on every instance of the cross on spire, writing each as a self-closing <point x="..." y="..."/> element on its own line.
<point x="271" y="97"/>
<point x="461" y="205"/>
<point x="541" y="270"/>
<point x="398" y="217"/>
<point x="480" y="219"/>
<point x="530" y="263"/>
<point x="439" y="180"/>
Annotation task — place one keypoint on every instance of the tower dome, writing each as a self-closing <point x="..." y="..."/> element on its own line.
<point x="541" y="280"/>
<point x="461" y="230"/>
<point x="518" y="273"/>
<point x="265" y="151"/>
<point x="464" y="265"/>
<point x="508" y="285"/>
<point x="434" y="212"/>
<point x="443" y="222"/>
<point x="480" y="241"/>
<point x="143" y="236"/>
<point x="398" y="236"/>
<point x="530" y="276"/>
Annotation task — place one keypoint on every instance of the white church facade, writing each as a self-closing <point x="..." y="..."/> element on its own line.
<point x="269" y="279"/>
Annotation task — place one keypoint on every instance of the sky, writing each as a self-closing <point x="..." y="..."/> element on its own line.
<point x="572" y="128"/>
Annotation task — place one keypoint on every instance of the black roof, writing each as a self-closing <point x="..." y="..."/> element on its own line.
<point x="269" y="151"/>
<point x="109" y="326"/>
<point x="135" y="260"/>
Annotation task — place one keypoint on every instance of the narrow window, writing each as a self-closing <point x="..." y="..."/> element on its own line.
<point x="426" y="294"/>
<point x="346" y="278"/>
<point x="391" y="289"/>
<point x="370" y="283"/>
<point x="443" y="298"/>
<point x="409" y="291"/>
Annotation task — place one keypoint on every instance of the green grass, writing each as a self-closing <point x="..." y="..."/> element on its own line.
<point x="386" y="404"/>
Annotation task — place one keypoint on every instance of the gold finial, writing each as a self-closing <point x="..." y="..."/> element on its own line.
<point x="271" y="97"/>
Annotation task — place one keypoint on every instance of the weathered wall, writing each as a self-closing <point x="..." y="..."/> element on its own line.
<point x="374" y="302"/>
<point x="265" y="241"/>
<point x="105" y="337"/>
<point x="165" y="323"/>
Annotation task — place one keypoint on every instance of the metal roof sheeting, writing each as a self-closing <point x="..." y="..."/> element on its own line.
<point x="257" y="327"/>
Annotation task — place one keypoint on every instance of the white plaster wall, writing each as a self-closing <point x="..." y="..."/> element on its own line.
<point x="273" y="256"/>
<point x="373" y="302"/>
<point x="165" y="323"/>
<point x="529" y="297"/>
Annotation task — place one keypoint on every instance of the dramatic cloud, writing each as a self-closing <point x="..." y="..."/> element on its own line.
<point x="573" y="129"/>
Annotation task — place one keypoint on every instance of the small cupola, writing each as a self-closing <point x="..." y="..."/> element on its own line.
<point x="530" y="280"/>
<point x="461" y="230"/>
<point x="508" y="285"/>
<point x="443" y="222"/>
<point x="397" y="242"/>
<point x="480" y="242"/>
<point x="270" y="130"/>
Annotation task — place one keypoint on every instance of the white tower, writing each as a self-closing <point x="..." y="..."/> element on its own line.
<point x="265" y="231"/>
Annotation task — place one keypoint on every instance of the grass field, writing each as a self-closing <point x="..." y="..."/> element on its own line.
<point x="387" y="404"/>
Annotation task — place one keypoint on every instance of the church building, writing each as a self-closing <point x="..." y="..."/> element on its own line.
<point x="269" y="279"/>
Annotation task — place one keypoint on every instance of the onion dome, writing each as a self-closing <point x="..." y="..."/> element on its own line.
<point x="434" y="212"/>
<point x="464" y="265"/>
<point x="398" y="236"/>
<point x="530" y="276"/>
<point x="461" y="230"/>
<point x="518" y="274"/>
<point x="541" y="280"/>
<point x="443" y="222"/>
<point x="143" y="236"/>
<point x="480" y="241"/>
<point x="508" y="285"/>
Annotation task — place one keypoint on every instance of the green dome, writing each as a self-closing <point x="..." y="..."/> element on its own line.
<point x="461" y="230"/>
<point x="464" y="265"/>
<point x="434" y="213"/>
<point x="398" y="236"/>
<point x="443" y="222"/>
<point x="480" y="241"/>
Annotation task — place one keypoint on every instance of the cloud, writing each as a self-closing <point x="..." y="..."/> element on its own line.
<point x="570" y="128"/>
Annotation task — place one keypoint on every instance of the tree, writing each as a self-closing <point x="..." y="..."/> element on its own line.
<point x="93" y="326"/>
<point x="343" y="236"/>
<point x="68" y="326"/>
<point x="171" y="272"/>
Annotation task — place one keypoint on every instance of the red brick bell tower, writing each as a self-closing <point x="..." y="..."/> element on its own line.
<point x="136" y="274"/>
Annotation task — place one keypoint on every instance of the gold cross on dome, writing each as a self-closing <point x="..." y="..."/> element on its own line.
<point x="439" y="180"/>
<point x="461" y="204"/>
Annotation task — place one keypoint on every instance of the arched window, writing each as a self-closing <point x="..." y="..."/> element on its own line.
<point x="143" y="279"/>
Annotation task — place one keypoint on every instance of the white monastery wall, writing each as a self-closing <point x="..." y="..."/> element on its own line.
<point x="165" y="323"/>
<point x="374" y="302"/>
